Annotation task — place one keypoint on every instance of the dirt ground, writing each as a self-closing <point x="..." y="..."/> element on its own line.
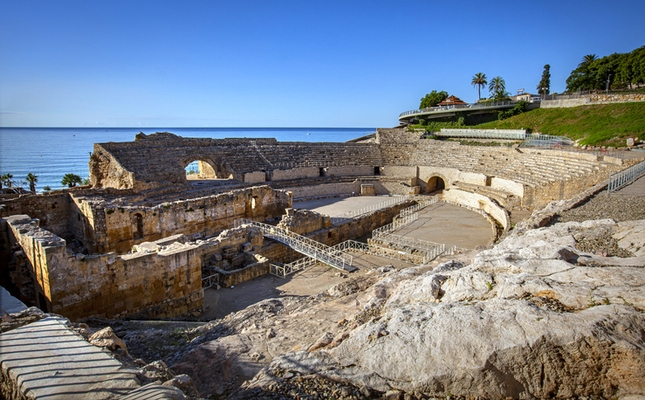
<point x="313" y="280"/>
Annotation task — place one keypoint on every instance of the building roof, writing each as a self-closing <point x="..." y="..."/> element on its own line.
<point x="451" y="101"/>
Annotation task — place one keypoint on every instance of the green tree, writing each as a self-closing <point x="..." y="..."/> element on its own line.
<point x="433" y="98"/>
<point x="587" y="60"/>
<point x="479" y="80"/>
<point x="32" y="179"/>
<point x="7" y="180"/>
<point x="497" y="88"/>
<point x="71" y="180"/>
<point x="544" y="87"/>
<point x="583" y="76"/>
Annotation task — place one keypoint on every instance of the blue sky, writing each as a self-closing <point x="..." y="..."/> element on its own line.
<point x="277" y="63"/>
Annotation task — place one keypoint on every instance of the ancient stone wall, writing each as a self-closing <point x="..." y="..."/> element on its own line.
<point x="479" y="202"/>
<point x="160" y="159"/>
<point x="597" y="98"/>
<point x="160" y="284"/>
<point x="53" y="210"/>
<point x="118" y="227"/>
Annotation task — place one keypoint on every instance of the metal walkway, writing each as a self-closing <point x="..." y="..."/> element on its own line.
<point x="316" y="250"/>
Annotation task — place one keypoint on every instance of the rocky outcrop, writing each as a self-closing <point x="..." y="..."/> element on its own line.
<point x="534" y="317"/>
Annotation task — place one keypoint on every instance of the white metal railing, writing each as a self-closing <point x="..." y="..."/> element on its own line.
<point x="284" y="270"/>
<point x="625" y="177"/>
<point x="302" y="244"/>
<point x="374" y="207"/>
<point x="517" y="134"/>
<point x="210" y="281"/>
<point x="417" y="244"/>
<point x="439" y="109"/>
<point x="394" y="225"/>
<point x="421" y="204"/>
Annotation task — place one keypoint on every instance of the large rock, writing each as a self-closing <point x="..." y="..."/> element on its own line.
<point x="523" y="320"/>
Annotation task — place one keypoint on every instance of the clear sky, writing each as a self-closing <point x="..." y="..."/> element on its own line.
<point x="300" y="63"/>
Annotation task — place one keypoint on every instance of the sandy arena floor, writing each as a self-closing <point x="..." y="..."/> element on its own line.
<point x="439" y="223"/>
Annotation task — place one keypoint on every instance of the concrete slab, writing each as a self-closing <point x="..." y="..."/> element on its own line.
<point x="338" y="206"/>
<point x="9" y="304"/>
<point x="48" y="361"/>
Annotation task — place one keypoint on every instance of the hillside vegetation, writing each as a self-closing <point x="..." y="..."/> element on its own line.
<point x="606" y="124"/>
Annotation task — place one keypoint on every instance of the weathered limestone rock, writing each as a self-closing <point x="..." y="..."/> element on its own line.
<point x="303" y="222"/>
<point x="107" y="339"/>
<point x="523" y="320"/>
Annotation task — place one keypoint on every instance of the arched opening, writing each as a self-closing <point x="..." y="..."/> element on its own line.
<point x="203" y="169"/>
<point x="137" y="226"/>
<point x="435" y="183"/>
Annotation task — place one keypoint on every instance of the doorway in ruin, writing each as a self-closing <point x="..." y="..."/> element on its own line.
<point x="137" y="226"/>
<point x="205" y="169"/>
<point x="435" y="183"/>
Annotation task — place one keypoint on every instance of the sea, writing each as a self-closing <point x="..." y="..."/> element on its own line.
<point x="50" y="153"/>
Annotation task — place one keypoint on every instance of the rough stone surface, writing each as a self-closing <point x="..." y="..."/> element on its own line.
<point x="524" y="319"/>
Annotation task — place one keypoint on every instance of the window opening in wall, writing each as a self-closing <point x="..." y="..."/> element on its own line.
<point x="322" y="172"/>
<point x="377" y="170"/>
<point x="137" y="221"/>
<point x="205" y="170"/>
<point x="254" y="202"/>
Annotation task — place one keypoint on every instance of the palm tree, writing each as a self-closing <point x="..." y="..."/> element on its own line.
<point x="497" y="86"/>
<point x="7" y="180"/>
<point x="71" y="180"/>
<point x="32" y="179"/>
<point x="587" y="60"/>
<point x="480" y="81"/>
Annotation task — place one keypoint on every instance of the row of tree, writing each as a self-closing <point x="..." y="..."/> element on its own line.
<point x="616" y="71"/>
<point x="496" y="86"/>
<point x="69" y="180"/>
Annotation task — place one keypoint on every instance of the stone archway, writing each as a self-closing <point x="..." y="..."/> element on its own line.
<point x="201" y="169"/>
<point x="435" y="183"/>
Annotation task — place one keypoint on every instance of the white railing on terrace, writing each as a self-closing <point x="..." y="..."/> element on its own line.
<point x="400" y="222"/>
<point x="474" y="106"/>
<point x="374" y="207"/>
<point x="421" y="204"/>
<point x="302" y="244"/>
<point x="416" y="244"/>
<point x="283" y="271"/>
<point x="625" y="177"/>
<point x="516" y="134"/>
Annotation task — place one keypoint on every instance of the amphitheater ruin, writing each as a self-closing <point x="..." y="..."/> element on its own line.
<point x="143" y="239"/>
<point x="146" y="240"/>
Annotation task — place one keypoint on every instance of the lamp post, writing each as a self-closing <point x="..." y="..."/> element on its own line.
<point x="607" y="87"/>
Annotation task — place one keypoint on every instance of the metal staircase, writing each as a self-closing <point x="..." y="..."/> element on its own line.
<point x="316" y="250"/>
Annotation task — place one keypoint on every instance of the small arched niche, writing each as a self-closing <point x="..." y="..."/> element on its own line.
<point x="435" y="183"/>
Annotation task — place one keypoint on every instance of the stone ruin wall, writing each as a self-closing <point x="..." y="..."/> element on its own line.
<point x="596" y="98"/>
<point x="118" y="227"/>
<point x="159" y="160"/>
<point x="162" y="283"/>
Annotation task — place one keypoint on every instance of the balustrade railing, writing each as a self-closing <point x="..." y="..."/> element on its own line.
<point x="625" y="177"/>
<point x="302" y="244"/>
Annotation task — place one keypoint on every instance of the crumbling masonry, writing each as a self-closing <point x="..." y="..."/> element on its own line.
<point x="140" y="241"/>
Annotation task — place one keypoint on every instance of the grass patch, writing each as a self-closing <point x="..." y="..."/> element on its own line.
<point x="592" y="125"/>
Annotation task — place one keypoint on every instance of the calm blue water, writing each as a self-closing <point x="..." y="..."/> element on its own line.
<point x="50" y="153"/>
